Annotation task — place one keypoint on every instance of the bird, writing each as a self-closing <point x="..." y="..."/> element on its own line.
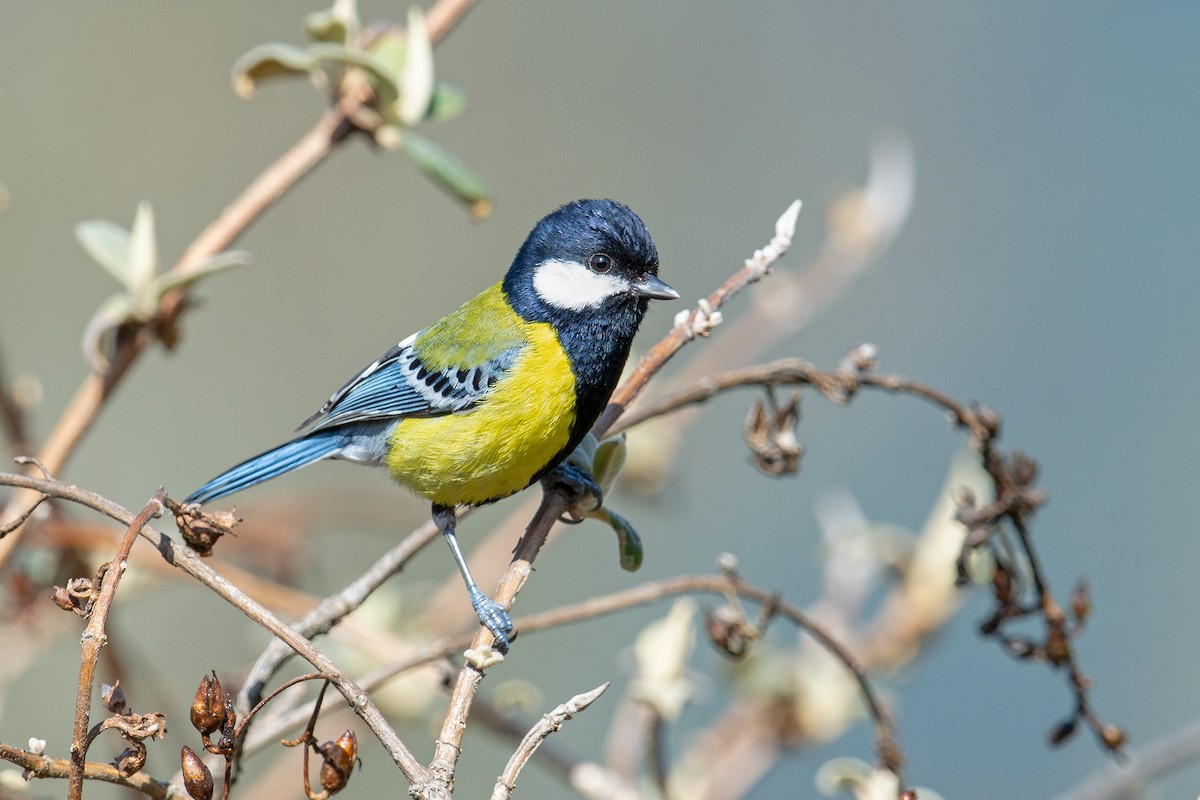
<point x="496" y="395"/>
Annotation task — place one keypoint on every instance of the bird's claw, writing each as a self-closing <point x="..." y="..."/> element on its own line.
<point x="493" y="617"/>
<point x="578" y="484"/>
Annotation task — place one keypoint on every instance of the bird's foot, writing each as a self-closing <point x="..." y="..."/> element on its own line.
<point x="583" y="493"/>
<point x="493" y="617"/>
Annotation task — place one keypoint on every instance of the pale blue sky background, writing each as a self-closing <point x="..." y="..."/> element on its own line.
<point x="1048" y="269"/>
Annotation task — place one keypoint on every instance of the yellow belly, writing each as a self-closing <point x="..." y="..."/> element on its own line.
<point x="496" y="448"/>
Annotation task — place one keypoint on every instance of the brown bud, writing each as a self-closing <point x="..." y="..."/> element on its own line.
<point x="1081" y="601"/>
<point x="113" y="697"/>
<point x="200" y="530"/>
<point x="1058" y="649"/>
<point x="908" y="794"/>
<point x="1062" y="732"/>
<point x="131" y="759"/>
<point x="1113" y="737"/>
<point x="210" y="707"/>
<point x="339" y="758"/>
<point x="78" y="596"/>
<point x="62" y="599"/>
<point x="196" y="777"/>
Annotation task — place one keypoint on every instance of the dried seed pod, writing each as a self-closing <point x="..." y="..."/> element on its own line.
<point x="1063" y="731"/>
<point x="339" y="758"/>
<point x="113" y="697"/>
<point x="202" y="530"/>
<point x="131" y="759"/>
<point x="210" y="707"/>
<point x="196" y="776"/>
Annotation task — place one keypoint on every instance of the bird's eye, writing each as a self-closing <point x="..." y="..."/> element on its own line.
<point x="600" y="262"/>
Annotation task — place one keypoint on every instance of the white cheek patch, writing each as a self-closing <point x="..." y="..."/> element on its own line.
<point x="571" y="285"/>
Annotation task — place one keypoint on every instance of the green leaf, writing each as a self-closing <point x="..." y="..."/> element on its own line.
<point x="338" y="24"/>
<point x="271" y="60"/>
<point x="416" y="84"/>
<point x="629" y="544"/>
<point x="389" y="49"/>
<point x="143" y="261"/>
<point x="447" y="170"/>
<point x="608" y="461"/>
<point x="108" y="243"/>
<point x="227" y="259"/>
<point x="449" y="101"/>
<point x="382" y="79"/>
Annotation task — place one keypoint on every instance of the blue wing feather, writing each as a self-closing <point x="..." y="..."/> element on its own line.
<point x="398" y="384"/>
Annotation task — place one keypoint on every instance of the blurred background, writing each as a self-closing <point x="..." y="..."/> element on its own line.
<point x="1048" y="269"/>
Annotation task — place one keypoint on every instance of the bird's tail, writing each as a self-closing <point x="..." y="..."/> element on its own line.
<point x="264" y="466"/>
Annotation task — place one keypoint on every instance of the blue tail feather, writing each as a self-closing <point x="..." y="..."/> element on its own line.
<point x="273" y="463"/>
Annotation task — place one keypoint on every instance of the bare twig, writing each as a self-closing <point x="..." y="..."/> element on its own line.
<point x="549" y="723"/>
<point x="332" y="610"/>
<point x="1016" y="500"/>
<point x="39" y="766"/>
<point x="698" y="322"/>
<point x="94" y="638"/>
<point x="592" y="608"/>
<point x="190" y="563"/>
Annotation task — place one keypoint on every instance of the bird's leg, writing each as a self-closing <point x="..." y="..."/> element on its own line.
<point x="577" y="483"/>
<point x="491" y="614"/>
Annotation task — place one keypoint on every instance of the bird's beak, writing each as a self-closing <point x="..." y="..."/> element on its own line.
<point x="653" y="288"/>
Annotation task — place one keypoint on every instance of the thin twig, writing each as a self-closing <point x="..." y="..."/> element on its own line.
<point x="836" y="385"/>
<point x="700" y="320"/>
<point x="330" y="611"/>
<point x="186" y="560"/>
<point x="39" y="766"/>
<point x="645" y="594"/>
<point x="548" y="724"/>
<point x="94" y="638"/>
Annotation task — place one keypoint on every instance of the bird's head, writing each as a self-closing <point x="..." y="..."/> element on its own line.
<point x="588" y="258"/>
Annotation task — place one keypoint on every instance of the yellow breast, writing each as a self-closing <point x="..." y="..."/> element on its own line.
<point x="497" y="447"/>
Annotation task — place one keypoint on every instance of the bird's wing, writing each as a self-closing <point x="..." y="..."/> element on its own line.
<point x="444" y="369"/>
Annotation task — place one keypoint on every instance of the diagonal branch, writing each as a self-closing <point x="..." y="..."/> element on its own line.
<point x="548" y="724"/>
<point x="188" y="561"/>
